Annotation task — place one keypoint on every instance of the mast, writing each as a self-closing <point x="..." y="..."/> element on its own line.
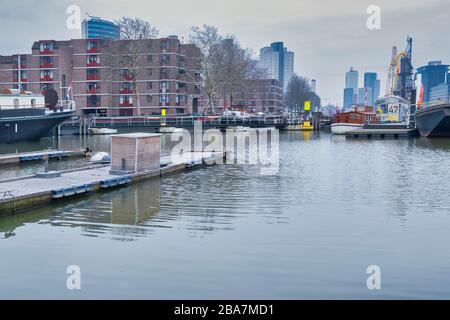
<point x="19" y="73"/>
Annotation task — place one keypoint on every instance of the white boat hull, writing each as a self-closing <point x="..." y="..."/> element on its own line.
<point x="102" y="131"/>
<point x="344" y="128"/>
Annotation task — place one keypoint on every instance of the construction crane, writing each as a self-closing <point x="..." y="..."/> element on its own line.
<point x="401" y="82"/>
<point x="391" y="72"/>
<point x="404" y="85"/>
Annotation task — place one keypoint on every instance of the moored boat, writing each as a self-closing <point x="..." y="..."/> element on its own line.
<point x="434" y="121"/>
<point x="353" y="120"/>
<point x="102" y="131"/>
<point x="25" y="116"/>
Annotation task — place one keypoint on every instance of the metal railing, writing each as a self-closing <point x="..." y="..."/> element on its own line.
<point x="182" y="121"/>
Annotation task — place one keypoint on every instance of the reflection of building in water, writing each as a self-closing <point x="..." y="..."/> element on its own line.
<point x="137" y="205"/>
<point x="119" y="214"/>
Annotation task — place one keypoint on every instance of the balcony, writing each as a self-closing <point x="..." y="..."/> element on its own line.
<point x="93" y="64"/>
<point x="128" y="77"/>
<point x="126" y="91"/>
<point x="22" y="66"/>
<point x="125" y="104"/>
<point x="46" y="65"/>
<point x="21" y="80"/>
<point x="93" y="77"/>
<point x="90" y="105"/>
<point x="93" y="91"/>
<point x="46" y="78"/>
<point x="46" y="51"/>
<point x="93" y="50"/>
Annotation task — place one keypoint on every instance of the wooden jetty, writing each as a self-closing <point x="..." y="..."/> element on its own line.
<point x="27" y="157"/>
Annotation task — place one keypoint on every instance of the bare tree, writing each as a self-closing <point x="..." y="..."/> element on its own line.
<point x="136" y="28"/>
<point x="238" y="70"/>
<point x="209" y="41"/>
<point x="298" y="91"/>
<point x="134" y="51"/>
<point x="226" y="66"/>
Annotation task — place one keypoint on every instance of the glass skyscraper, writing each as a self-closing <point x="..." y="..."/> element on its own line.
<point x="351" y="88"/>
<point x="433" y="75"/>
<point x="279" y="62"/>
<point x="96" y="28"/>
<point x="371" y="82"/>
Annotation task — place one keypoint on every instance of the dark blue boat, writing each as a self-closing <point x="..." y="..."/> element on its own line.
<point x="29" y="124"/>
<point x="434" y="121"/>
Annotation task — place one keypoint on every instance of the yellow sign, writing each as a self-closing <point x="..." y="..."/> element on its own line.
<point x="307" y="106"/>
<point x="163" y="112"/>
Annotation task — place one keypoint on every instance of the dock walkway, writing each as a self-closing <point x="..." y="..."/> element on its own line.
<point x="387" y="133"/>
<point x="19" y="194"/>
<point x="15" y="158"/>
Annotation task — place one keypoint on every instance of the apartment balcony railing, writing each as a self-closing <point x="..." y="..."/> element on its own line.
<point x="22" y="66"/>
<point x="127" y="77"/>
<point x="126" y="91"/>
<point x="93" y="77"/>
<point x="46" y="51"/>
<point x="21" y="80"/>
<point x="46" y="78"/>
<point x="93" y="64"/>
<point x="93" y="91"/>
<point x="46" y="65"/>
<point x="98" y="105"/>
<point x="93" y="50"/>
<point x="126" y="104"/>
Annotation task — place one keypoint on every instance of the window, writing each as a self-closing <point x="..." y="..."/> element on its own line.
<point x="149" y="58"/>
<point x="33" y="103"/>
<point x="163" y="86"/>
<point x="164" y="73"/>
<point x="149" y="98"/>
<point x="149" y="85"/>
<point x="46" y="74"/>
<point x="93" y="59"/>
<point x="149" y="72"/>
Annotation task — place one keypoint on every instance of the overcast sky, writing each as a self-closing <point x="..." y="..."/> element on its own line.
<point x="327" y="36"/>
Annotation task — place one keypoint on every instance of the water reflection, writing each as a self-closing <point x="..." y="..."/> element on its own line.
<point x="226" y="231"/>
<point x="119" y="215"/>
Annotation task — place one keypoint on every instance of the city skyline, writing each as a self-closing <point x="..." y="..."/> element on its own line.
<point x="324" y="51"/>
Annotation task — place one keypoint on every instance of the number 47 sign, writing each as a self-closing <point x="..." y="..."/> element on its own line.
<point x="393" y="112"/>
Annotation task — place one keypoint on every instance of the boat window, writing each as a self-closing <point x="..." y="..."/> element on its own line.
<point x="33" y="103"/>
<point x="16" y="103"/>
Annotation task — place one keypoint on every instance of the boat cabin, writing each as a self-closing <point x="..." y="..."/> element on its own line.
<point x="360" y="115"/>
<point x="16" y="99"/>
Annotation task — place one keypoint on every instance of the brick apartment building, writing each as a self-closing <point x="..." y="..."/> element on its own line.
<point x="261" y="95"/>
<point x="167" y="75"/>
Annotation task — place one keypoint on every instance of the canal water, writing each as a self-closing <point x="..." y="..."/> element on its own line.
<point x="335" y="208"/>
